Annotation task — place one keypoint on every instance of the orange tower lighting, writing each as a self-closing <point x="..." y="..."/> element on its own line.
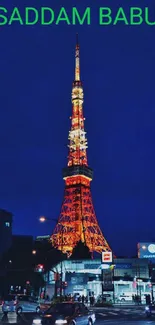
<point x="77" y="220"/>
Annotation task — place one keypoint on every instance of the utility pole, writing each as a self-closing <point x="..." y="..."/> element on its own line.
<point x="43" y="219"/>
<point x="113" y="277"/>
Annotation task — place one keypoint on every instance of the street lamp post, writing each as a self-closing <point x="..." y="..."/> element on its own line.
<point x="43" y="219"/>
<point x="152" y="296"/>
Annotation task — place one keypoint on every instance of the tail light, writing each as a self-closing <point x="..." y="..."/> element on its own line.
<point x="15" y="303"/>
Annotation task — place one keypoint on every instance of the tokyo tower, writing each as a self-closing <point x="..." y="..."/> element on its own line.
<point x="77" y="220"/>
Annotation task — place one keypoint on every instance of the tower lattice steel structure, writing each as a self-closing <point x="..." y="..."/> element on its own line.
<point x="77" y="220"/>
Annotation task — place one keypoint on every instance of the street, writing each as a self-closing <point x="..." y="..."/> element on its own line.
<point x="133" y="315"/>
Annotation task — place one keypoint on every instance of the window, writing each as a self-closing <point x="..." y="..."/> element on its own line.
<point x="7" y="224"/>
<point x="23" y="298"/>
<point x="67" y="309"/>
<point x="10" y="298"/>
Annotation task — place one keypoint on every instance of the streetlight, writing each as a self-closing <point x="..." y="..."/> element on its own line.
<point x="44" y="219"/>
<point x="34" y="252"/>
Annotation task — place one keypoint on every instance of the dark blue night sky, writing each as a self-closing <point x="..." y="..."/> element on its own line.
<point x="118" y="74"/>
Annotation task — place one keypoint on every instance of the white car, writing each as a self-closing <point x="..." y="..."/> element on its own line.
<point x="125" y="297"/>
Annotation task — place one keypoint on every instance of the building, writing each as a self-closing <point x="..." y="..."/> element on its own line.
<point x="20" y="253"/>
<point x="41" y="246"/>
<point x="22" y="243"/>
<point x="42" y="239"/>
<point x="5" y="231"/>
<point x="77" y="221"/>
<point x="147" y="250"/>
<point x="130" y="276"/>
<point x="16" y="265"/>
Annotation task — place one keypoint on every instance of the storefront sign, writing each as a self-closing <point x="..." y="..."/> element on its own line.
<point x="92" y="266"/>
<point x="106" y="257"/>
<point x="123" y="266"/>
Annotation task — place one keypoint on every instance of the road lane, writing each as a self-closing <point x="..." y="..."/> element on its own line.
<point x="100" y="322"/>
<point x="103" y="315"/>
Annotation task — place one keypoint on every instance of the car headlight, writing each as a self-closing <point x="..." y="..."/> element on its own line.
<point x="37" y="321"/>
<point x="147" y="308"/>
<point x="61" y="321"/>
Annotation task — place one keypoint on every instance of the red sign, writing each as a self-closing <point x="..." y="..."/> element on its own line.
<point x="106" y="257"/>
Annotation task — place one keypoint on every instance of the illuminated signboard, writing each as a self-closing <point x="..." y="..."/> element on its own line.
<point x="106" y="257"/>
<point x="146" y="250"/>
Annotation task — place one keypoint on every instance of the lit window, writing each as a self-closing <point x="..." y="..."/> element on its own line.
<point x="7" y="224"/>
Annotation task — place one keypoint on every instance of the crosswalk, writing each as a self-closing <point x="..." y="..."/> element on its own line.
<point x="11" y="318"/>
<point x="101" y="314"/>
<point x="109" y="313"/>
<point x="121" y="312"/>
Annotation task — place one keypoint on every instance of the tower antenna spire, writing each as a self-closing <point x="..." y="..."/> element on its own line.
<point x="77" y="39"/>
<point x="77" y="59"/>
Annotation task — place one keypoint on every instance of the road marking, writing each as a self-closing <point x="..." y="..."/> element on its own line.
<point x="102" y="314"/>
<point x="12" y="318"/>
<point x="111" y="313"/>
<point x="129" y="309"/>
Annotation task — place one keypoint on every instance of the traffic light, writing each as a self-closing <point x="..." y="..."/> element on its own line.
<point x="64" y="284"/>
<point x="39" y="268"/>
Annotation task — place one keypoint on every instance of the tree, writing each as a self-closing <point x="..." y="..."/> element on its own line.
<point x="81" y="251"/>
<point x="47" y="255"/>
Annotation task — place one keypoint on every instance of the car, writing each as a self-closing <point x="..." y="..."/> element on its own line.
<point x="45" y="305"/>
<point x="19" y="304"/>
<point x="66" y="313"/>
<point x="125" y="297"/>
<point x="150" y="310"/>
<point x="27" y="304"/>
<point x="105" y="297"/>
<point x="9" y="304"/>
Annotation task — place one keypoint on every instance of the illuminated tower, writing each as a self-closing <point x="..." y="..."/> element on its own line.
<point x="77" y="220"/>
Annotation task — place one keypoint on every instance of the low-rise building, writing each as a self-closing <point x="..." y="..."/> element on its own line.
<point x="130" y="276"/>
<point x="5" y="231"/>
